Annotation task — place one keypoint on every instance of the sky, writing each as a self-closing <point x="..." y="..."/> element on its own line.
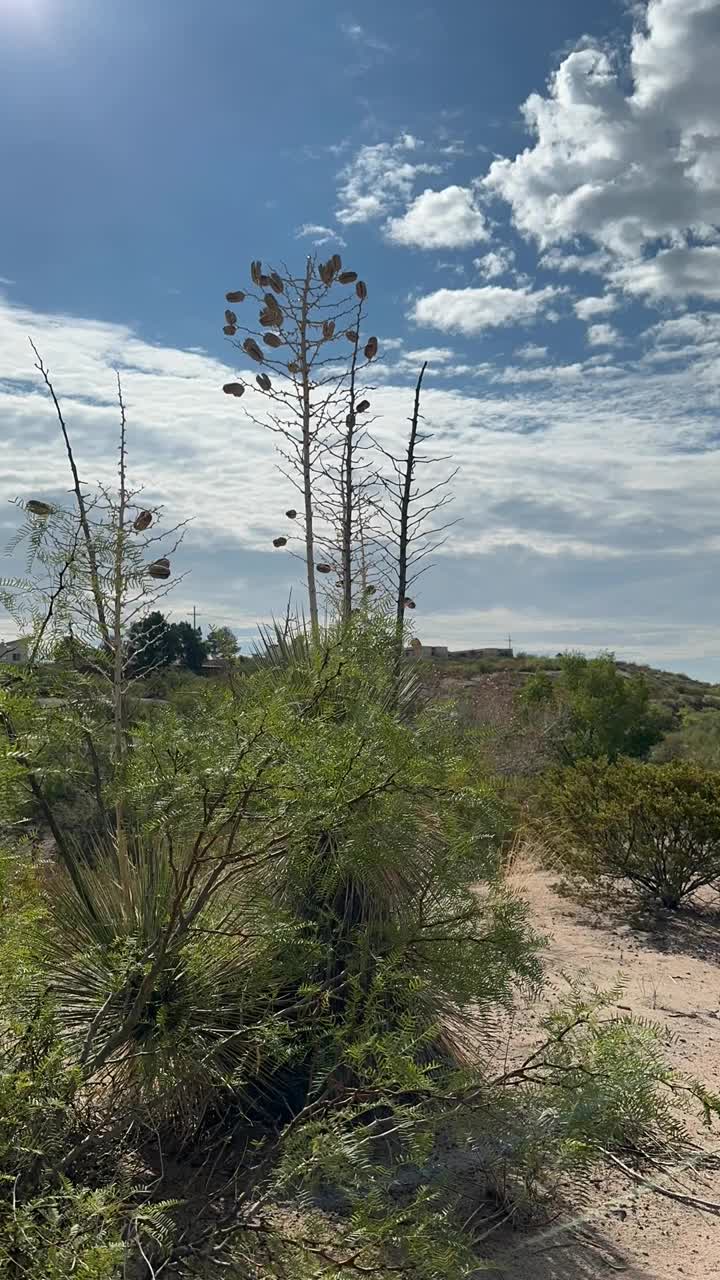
<point x="532" y="193"/>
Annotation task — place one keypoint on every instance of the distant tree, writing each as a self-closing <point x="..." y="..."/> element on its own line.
<point x="153" y="642"/>
<point x="222" y="642"/>
<point x="191" y="648"/>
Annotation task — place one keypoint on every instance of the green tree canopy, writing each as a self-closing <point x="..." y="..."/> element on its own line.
<point x="222" y="642"/>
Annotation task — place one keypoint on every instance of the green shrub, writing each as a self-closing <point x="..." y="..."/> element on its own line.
<point x="655" y="825"/>
<point x="697" y="740"/>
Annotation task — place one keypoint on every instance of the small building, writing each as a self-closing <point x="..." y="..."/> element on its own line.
<point x="439" y="651"/>
<point x="15" y="651"/>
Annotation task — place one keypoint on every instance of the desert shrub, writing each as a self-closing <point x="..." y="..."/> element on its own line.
<point x="599" y="710"/>
<point x="654" y="825"/>
<point x="697" y="740"/>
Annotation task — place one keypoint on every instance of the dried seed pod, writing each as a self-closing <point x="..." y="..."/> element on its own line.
<point x="370" y="590"/>
<point x="323" y="568"/>
<point x="276" y="283"/>
<point x="38" y="508"/>
<point x="328" y="329"/>
<point x="350" y="420"/>
<point x="291" y="514"/>
<point x="325" y="272"/>
<point x="347" y="277"/>
<point x="159" y="569"/>
<point x="271" y="304"/>
<point x="264" y="281"/>
<point x="336" y="263"/>
<point x="361" y="290"/>
<point x="253" y="350"/>
<point x="255" y="270"/>
<point x="235" y="295"/>
<point x="234" y="389"/>
<point x="351" y="335"/>
<point x="230" y="317"/>
<point x="279" y="542"/>
<point x="272" y="340"/>
<point x="230" y="330"/>
<point x="142" y="521"/>
<point x="371" y="348"/>
<point x="362" y="407"/>
<point x="293" y="367"/>
<point x="263" y="382"/>
<point x="408" y="603"/>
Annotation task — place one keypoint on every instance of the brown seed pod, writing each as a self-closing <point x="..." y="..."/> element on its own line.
<point x="234" y="389"/>
<point x="370" y="590"/>
<point x="350" y="420"/>
<point x="143" y="521"/>
<point x="371" y="348"/>
<point x="255" y="270"/>
<point x="235" y="295"/>
<point x="328" y="329"/>
<point x="347" y="277"/>
<point x="271" y="304"/>
<point x="38" y="508"/>
<point x="408" y="603"/>
<point x="272" y="340"/>
<point x="323" y="568"/>
<point x="276" y="283"/>
<point x="325" y="272"/>
<point x="351" y="335"/>
<point x="159" y="569"/>
<point x="263" y="382"/>
<point x="253" y="350"/>
<point x="361" y="290"/>
<point x="230" y="330"/>
<point x="291" y="514"/>
<point x="293" y="367"/>
<point x="279" y="542"/>
<point x="362" y="407"/>
<point x="230" y="317"/>
<point x="336" y="263"/>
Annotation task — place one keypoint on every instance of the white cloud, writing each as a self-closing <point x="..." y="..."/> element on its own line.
<point x="447" y="219"/>
<point x="603" y="335"/>
<point x="319" y="234"/>
<point x="496" y="263"/>
<point x="433" y="355"/>
<point x="469" y="311"/>
<point x="586" y="308"/>
<point x="629" y="170"/>
<point x="531" y="352"/>
<point x="378" y="178"/>
<point x="674" y="273"/>
<point x="622" y="467"/>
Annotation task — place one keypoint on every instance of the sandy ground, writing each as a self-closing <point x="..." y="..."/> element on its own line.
<point x="671" y="970"/>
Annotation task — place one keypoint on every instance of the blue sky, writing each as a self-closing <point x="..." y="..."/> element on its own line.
<point x="532" y="192"/>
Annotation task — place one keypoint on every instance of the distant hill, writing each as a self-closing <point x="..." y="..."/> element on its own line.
<point x="672" y="690"/>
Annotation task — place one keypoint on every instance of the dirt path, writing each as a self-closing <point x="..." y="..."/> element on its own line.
<point x="672" y="976"/>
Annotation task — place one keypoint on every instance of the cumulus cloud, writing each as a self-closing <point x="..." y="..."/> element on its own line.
<point x="469" y="311"/>
<point x="603" y="335"/>
<point x="495" y="263"/>
<point x="629" y="170"/>
<point x="447" y="219"/>
<point x="319" y="234"/>
<point x="379" y="177"/>
<point x="674" y="273"/>
<point x="586" y="308"/>
<point x="531" y="351"/>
